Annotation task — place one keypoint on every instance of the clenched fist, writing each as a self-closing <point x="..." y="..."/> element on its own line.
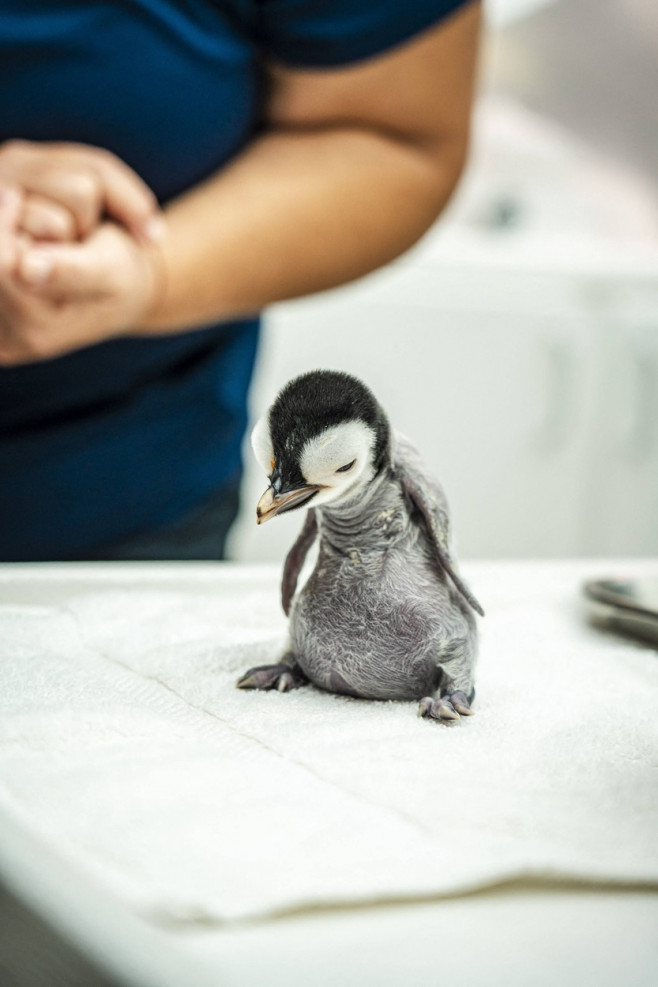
<point x="69" y="188"/>
<point x="55" y="297"/>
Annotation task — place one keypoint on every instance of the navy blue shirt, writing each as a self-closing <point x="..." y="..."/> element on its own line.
<point x="124" y="436"/>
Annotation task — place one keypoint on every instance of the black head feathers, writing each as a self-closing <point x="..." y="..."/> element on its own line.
<point x="315" y="401"/>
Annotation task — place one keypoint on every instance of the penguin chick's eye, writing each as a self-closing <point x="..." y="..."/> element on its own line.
<point x="346" y="468"/>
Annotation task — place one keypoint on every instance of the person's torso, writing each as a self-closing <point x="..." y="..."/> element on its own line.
<point x="172" y="88"/>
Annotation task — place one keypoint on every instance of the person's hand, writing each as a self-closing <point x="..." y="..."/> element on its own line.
<point x="69" y="188"/>
<point x="55" y="297"/>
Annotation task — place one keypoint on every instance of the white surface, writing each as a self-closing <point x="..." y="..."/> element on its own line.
<point x="156" y="636"/>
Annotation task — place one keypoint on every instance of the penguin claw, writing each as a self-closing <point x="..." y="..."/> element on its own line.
<point x="447" y="709"/>
<point x="280" y="677"/>
<point x="438" y="709"/>
<point x="460" y="702"/>
<point x="286" y="682"/>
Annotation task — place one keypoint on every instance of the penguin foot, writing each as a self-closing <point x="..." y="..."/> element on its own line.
<point x="461" y="702"/>
<point x="281" y="677"/>
<point x="448" y="709"/>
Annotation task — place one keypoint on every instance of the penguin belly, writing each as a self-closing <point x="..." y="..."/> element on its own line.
<point x="359" y="643"/>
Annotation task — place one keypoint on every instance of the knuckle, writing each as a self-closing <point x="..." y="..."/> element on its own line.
<point x="105" y="157"/>
<point x="86" y="188"/>
<point x="110" y="165"/>
<point x="109" y="169"/>
<point x="83" y="199"/>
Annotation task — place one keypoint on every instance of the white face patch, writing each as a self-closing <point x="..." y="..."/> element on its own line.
<point x="261" y="443"/>
<point x="339" y="446"/>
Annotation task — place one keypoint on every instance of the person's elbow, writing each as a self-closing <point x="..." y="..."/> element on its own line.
<point x="444" y="161"/>
<point x="430" y="172"/>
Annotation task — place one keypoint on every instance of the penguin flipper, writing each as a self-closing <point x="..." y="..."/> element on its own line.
<point x="295" y="560"/>
<point x="428" y="499"/>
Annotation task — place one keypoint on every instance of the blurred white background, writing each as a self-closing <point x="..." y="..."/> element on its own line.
<point x="517" y="345"/>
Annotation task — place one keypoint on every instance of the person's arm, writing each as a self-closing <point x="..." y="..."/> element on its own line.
<point x="354" y="166"/>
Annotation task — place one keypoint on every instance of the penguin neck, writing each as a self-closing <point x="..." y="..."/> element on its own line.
<point x="356" y="524"/>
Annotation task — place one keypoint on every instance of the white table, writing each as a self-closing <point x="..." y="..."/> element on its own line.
<point x="522" y="933"/>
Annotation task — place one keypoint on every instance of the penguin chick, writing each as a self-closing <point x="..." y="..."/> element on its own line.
<point x="384" y="615"/>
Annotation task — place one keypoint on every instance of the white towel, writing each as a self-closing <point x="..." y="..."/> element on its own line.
<point x="126" y="748"/>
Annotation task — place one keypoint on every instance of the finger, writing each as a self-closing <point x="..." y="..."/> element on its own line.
<point x="44" y="219"/>
<point x="128" y="199"/>
<point x="71" y="271"/>
<point x="76" y="190"/>
<point x="11" y="204"/>
<point x="88" y="181"/>
<point x="58" y="172"/>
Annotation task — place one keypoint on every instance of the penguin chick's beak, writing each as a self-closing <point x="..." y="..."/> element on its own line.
<point x="272" y="503"/>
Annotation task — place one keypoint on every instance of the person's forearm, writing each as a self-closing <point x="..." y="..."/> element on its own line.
<point x="297" y="212"/>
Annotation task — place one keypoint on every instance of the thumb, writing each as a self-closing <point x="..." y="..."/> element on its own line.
<point x="72" y="271"/>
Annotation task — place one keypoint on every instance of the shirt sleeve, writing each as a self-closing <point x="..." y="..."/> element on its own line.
<point x="316" y="33"/>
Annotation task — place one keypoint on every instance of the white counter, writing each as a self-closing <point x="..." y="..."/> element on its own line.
<point x="517" y="846"/>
